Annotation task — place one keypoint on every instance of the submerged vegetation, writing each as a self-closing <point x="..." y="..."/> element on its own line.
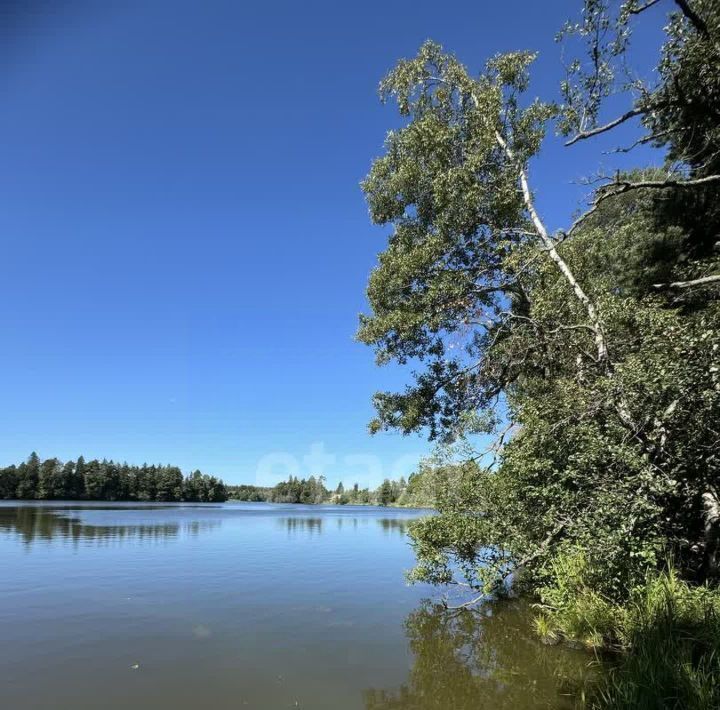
<point x="106" y="480"/>
<point x="588" y="357"/>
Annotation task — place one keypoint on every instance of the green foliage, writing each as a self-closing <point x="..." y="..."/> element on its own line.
<point x="252" y="494"/>
<point x="679" y="108"/>
<point x="613" y="445"/>
<point x="295" y="490"/>
<point x="595" y="347"/>
<point x="313" y="491"/>
<point x="385" y="493"/>
<point x="106" y="480"/>
<point x="450" y="193"/>
<point x="420" y="490"/>
<point x="571" y="469"/>
<point x="357" y="496"/>
<point x="27" y="476"/>
<point x="572" y="607"/>
<point x="203" y="488"/>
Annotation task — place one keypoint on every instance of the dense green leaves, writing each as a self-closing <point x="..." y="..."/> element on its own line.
<point x="449" y="190"/>
<point x="296" y="490"/>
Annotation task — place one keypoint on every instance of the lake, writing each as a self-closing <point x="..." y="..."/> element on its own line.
<point x="251" y="605"/>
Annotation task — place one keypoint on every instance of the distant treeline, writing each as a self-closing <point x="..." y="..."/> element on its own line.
<point x="294" y="490"/>
<point x="412" y="492"/>
<point x="106" y="480"/>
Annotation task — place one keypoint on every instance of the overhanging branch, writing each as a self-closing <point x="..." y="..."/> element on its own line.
<point x="541" y="550"/>
<point x="582" y="135"/>
<point x="641" y="8"/>
<point x="715" y="278"/>
<point x="621" y="188"/>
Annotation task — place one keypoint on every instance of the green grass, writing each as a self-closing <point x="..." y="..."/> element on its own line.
<point x="670" y="634"/>
<point x="660" y="650"/>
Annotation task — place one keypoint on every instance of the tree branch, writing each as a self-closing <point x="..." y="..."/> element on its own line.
<point x="695" y="20"/>
<point x="640" y="141"/>
<point x="642" y="8"/>
<point x="549" y="245"/>
<point x="520" y="565"/>
<point x="620" y="188"/>
<point x="582" y="135"/>
<point x="689" y="284"/>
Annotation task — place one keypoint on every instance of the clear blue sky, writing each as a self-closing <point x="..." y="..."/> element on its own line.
<point x="184" y="242"/>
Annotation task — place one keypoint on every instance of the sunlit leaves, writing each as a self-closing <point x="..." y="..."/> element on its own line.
<point x="450" y="193"/>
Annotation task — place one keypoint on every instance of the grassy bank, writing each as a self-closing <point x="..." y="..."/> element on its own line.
<point x="662" y="647"/>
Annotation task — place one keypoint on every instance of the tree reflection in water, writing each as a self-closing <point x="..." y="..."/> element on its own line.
<point x="393" y="525"/>
<point x="48" y="523"/>
<point x="313" y="525"/>
<point x="484" y="659"/>
<point x="295" y="525"/>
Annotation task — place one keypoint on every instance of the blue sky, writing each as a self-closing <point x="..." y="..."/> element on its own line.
<point x="184" y="242"/>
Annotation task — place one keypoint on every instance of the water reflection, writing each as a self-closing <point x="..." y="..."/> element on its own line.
<point x="314" y="525"/>
<point x="465" y="659"/>
<point x="45" y="523"/>
<point x="295" y="525"/>
<point x="393" y="525"/>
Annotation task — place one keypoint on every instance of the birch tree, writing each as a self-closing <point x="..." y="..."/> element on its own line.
<point x="549" y="340"/>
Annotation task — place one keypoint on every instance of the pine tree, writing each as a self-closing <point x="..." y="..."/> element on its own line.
<point x="8" y="482"/>
<point x="47" y="480"/>
<point x="28" y="477"/>
<point x="385" y="493"/>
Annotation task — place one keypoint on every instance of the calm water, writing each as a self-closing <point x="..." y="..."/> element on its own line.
<point x="247" y="606"/>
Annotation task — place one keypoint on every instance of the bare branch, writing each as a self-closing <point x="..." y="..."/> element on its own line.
<point x="715" y="278"/>
<point x="538" y="326"/>
<point x="496" y="446"/>
<point x="469" y="603"/>
<point x="582" y="135"/>
<point x="642" y="8"/>
<point x="620" y="188"/>
<point x="639" y="141"/>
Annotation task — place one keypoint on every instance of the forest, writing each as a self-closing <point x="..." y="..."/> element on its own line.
<point x="106" y="480"/>
<point x="416" y="492"/>
<point x="96" y="479"/>
<point x="570" y="378"/>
